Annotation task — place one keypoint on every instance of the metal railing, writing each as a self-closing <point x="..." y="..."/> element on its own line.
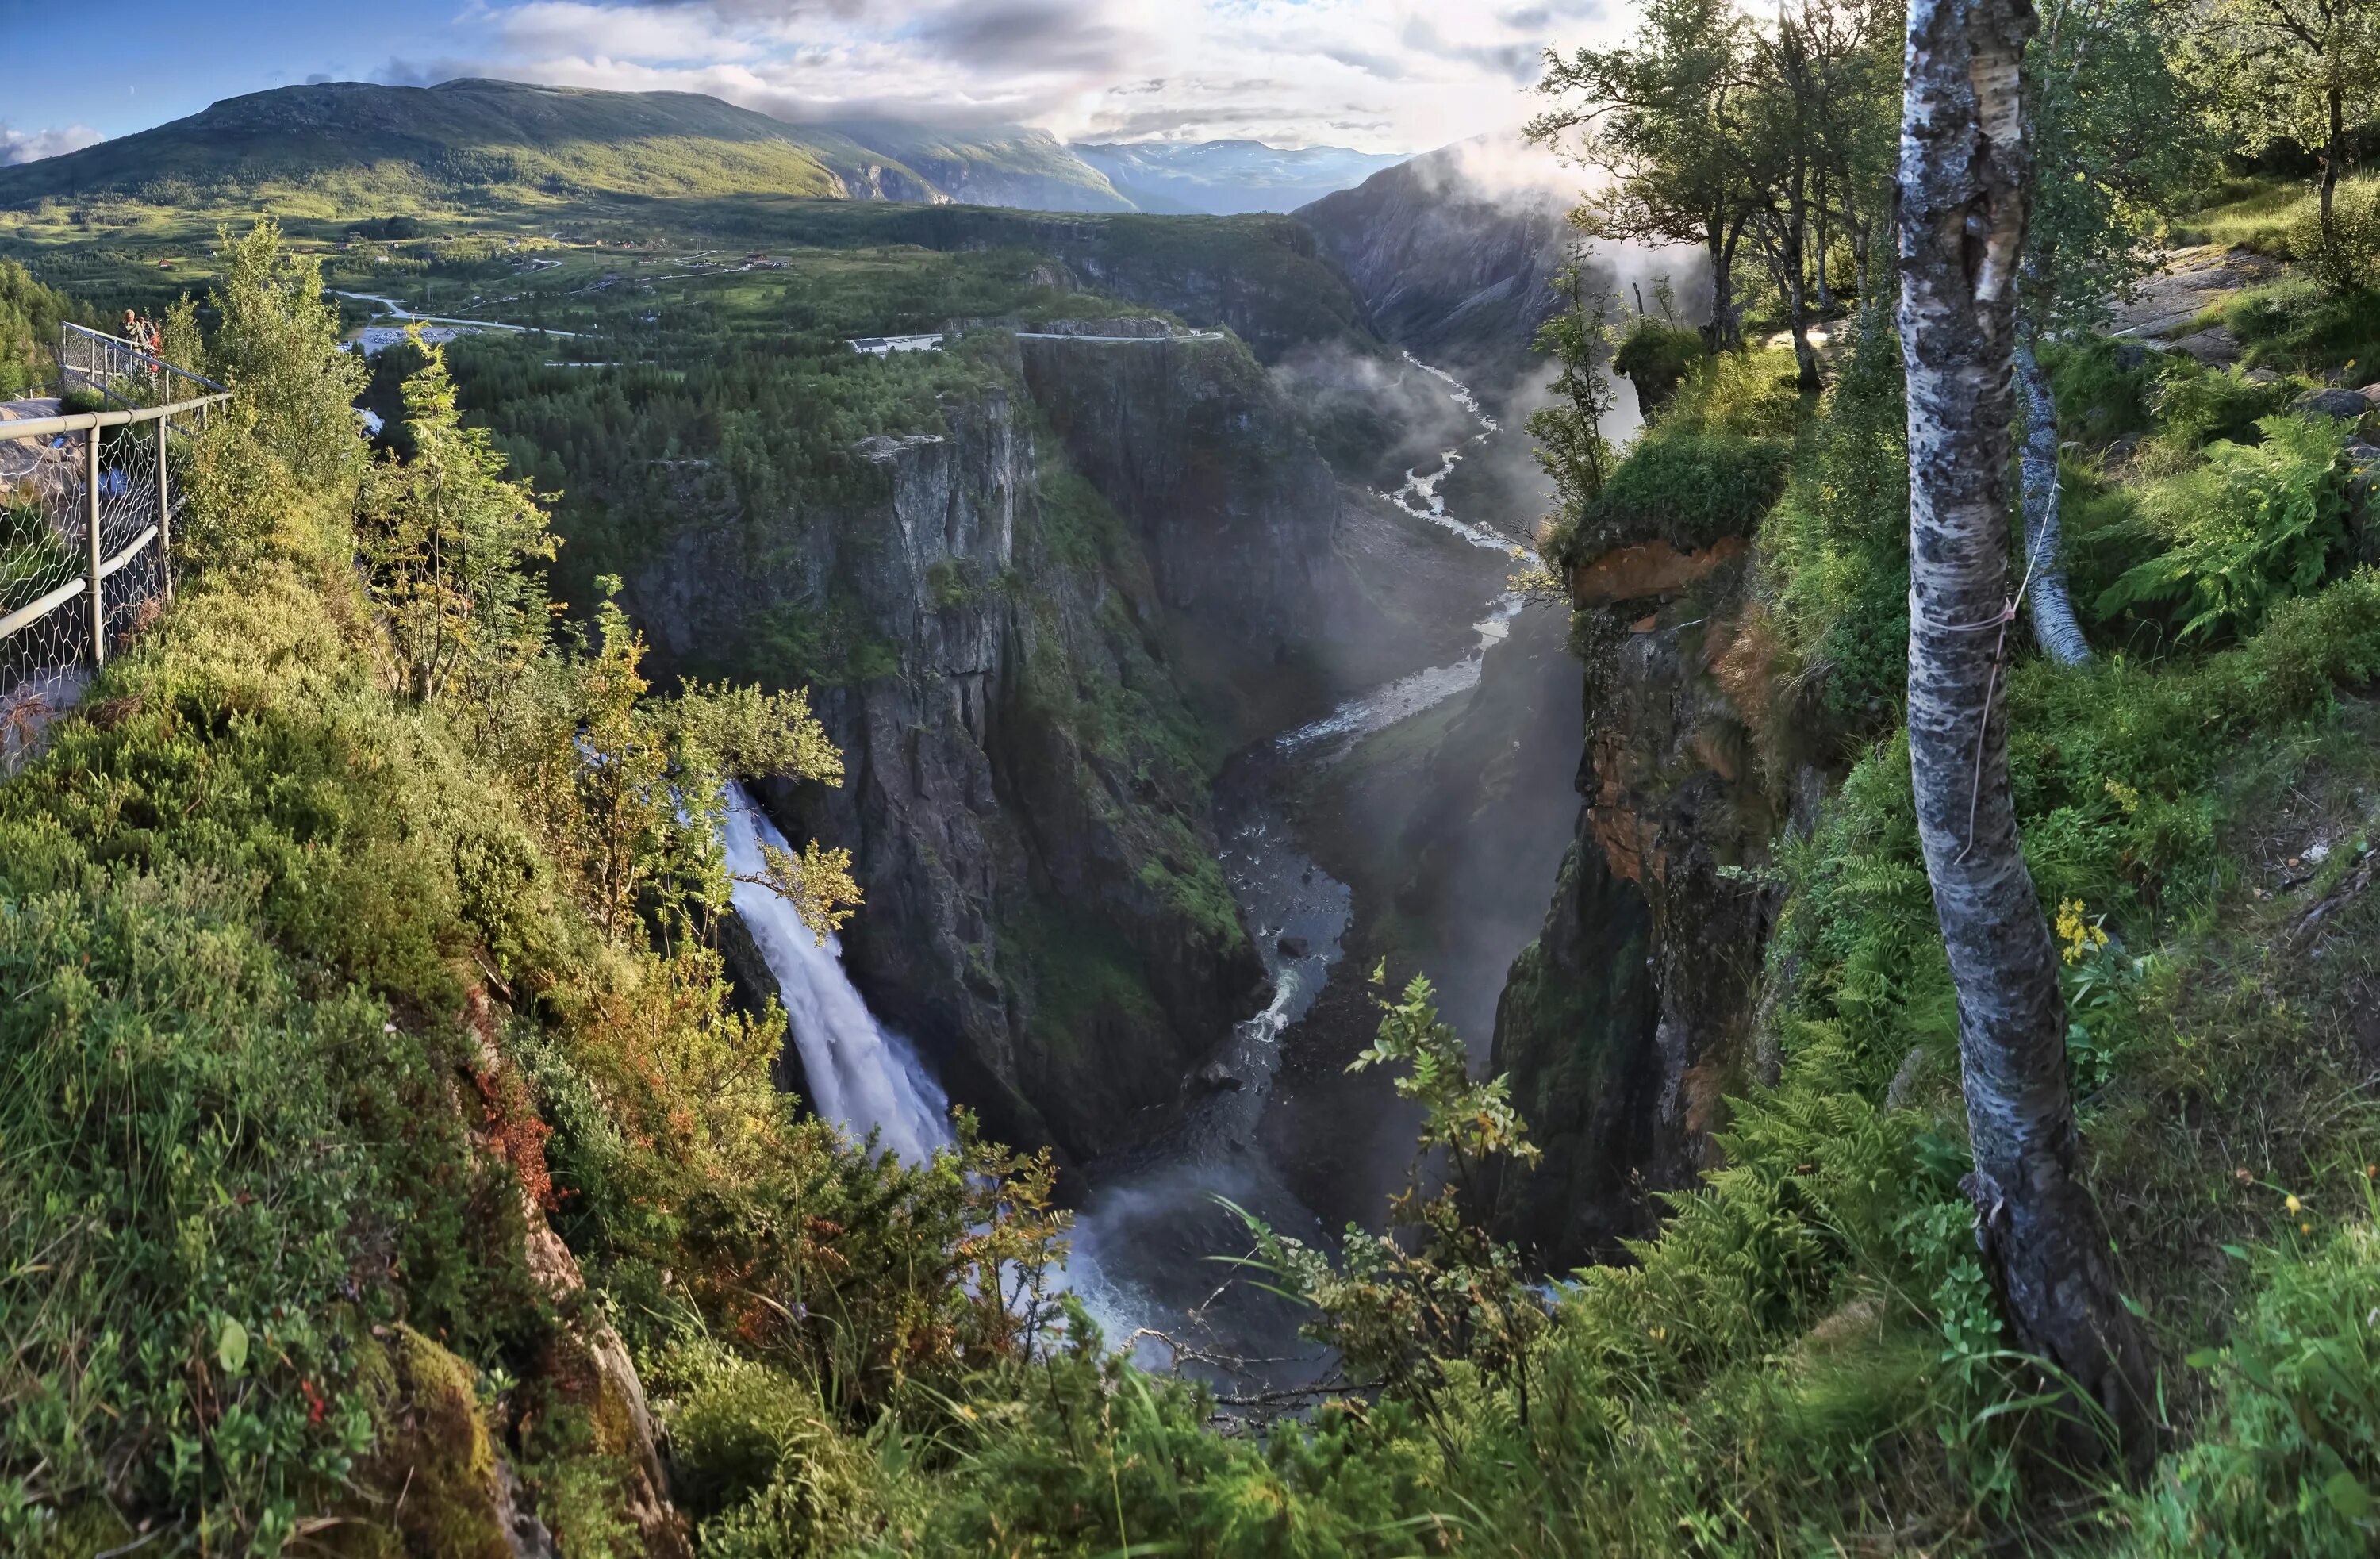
<point x="124" y="371"/>
<point x="88" y="502"/>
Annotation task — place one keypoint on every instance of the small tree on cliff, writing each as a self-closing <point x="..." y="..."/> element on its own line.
<point x="1965" y="179"/>
<point x="1568" y="431"/>
<point x="1659" y="116"/>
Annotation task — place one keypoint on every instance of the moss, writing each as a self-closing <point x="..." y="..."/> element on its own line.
<point x="436" y="1490"/>
<point x="1084" y="976"/>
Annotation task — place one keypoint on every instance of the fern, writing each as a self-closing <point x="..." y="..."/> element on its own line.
<point x="2253" y="526"/>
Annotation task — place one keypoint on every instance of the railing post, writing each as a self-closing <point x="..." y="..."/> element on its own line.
<point x="98" y="586"/>
<point x="164" y="516"/>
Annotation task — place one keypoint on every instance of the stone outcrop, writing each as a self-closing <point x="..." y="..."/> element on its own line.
<point x="1629" y="1019"/>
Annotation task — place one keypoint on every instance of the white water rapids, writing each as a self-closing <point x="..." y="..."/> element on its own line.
<point x="861" y="1073"/>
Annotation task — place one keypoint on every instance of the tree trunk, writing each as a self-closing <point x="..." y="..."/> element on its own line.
<point x="1712" y="329"/>
<point x="1805" y="357"/>
<point x="2334" y="152"/>
<point x="1826" y="298"/>
<point x="2054" y="627"/>
<point x="1966" y="178"/>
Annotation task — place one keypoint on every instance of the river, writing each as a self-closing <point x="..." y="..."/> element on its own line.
<point x="1161" y="1236"/>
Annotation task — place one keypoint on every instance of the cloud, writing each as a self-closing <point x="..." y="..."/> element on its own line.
<point x="31" y="146"/>
<point x="1383" y="75"/>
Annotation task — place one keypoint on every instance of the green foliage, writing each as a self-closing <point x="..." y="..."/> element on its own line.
<point x="1571" y="446"/>
<point x="1655" y="356"/>
<point x="1834" y="550"/>
<point x="1399" y="1307"/>
<point x="1687" y="488"/>
<point x="277" y="348"/>
<point x="2197" y="405"/>
<point x="2254" y="525"/>
<point x="29" y="316"/>
<point x="2123" y="140"/>
<point x="2105" y="389"/>
<point x="32" y="557"/>
<point x="448" y="541"/>
<point x="215" y="902"/>
<point x="2288" y="1456"/>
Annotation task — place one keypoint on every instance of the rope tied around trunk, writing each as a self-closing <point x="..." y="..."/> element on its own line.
<point x="2005" y="615"/>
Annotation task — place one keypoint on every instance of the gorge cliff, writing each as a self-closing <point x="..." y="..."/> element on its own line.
<point x="1035" y="633"/>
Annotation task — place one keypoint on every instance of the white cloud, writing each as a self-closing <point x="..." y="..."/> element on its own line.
<point x="1380" y="74"/>
<point x="31" y="146"/>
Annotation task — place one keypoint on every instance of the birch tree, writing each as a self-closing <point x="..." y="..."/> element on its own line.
<point x="1659" y="116"/>
<point x="2120" y="139"/>
<point x="1965" y="183"/>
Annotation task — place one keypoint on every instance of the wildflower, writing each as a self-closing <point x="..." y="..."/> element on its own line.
<point x="2291" y="1202"/>
<point x="2081" y="936"/>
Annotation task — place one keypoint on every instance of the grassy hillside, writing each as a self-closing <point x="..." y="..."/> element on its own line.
<point x="347" y="149"/>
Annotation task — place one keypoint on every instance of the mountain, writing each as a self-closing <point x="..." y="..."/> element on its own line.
<point x="1226" y="177"/>
<point x="347" y="146"/>
<point x="1001" y="165"/>
<point x="1453" y="253"/>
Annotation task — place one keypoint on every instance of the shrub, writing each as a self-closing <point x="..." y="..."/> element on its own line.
<point x="1837" y="548"/>
<point x="2256" y="524"/>
<point x="1656" y="356"/>
<point x="2196" y="404"/>
<point x="2341" y="252"/>
<point x="2104" y="388"/>
<point x="1687" y="488"/>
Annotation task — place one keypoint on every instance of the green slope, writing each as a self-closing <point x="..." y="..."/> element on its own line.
<point x="348" y="149"/>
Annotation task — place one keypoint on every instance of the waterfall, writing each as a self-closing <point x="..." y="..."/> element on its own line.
<point x="862" y="1074"/>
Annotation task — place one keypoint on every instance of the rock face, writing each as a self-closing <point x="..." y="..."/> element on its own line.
<point x="999" y="647"/>
<point x="1452" y="268"/>
<point x="1627" y="1021"/>
<point x="1232" y="505"/>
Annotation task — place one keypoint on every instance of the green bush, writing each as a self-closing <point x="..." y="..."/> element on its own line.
<point x="2342" y="252"/>
<point x="1687" y="488"/>
<point x="2253" y="525"/>
<point x="2104" y="388"/>
<point x="1835" y="549"/>
<point x="1656" y="356"/>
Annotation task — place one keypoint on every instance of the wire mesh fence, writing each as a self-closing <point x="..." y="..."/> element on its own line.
<point x="87" y="503"/>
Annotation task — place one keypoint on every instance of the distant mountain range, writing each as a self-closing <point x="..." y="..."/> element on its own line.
<point x="346" y="147"/>
<point x="347" y="144"/>
<point x="1226" y="177"/>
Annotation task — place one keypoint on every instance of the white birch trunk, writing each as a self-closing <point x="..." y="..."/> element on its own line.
<point x="1965" y="181"/>
<point x="2054" y="625"/>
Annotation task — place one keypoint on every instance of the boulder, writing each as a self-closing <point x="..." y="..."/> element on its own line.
<point x="1216" y="1077"/>
<point x="2347" y="406"/>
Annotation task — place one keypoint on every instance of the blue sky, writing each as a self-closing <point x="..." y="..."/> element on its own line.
<point x="1380" y="74"/>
